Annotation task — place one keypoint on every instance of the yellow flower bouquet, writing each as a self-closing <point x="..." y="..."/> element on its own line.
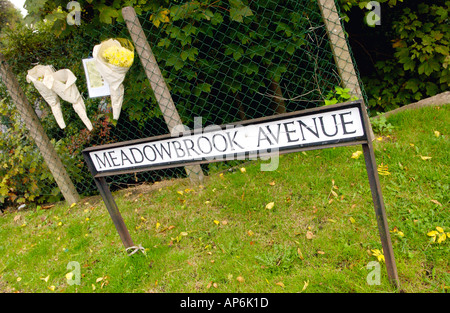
<point x="114" y="58"/>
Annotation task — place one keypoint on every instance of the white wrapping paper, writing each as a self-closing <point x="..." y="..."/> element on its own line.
<point x="36" y="75"/>
<point x="62" y="83"/>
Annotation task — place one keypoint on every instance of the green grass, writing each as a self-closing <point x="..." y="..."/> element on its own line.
<point x="191" y="252"/>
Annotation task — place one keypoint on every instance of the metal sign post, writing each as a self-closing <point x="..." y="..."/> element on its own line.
<point x="331" y="126"/>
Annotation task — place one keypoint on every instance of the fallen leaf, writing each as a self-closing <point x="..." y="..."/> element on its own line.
<point x="99" y="279"/>
<point x="72" y="205"/>
<point x="300" y="254"/>
<point x="331" y="220"/>
<point x="180" y="192"/>
<point x="93" y="287"/>
<point x="215" y="285"/>
<point x="270" y="205"/>
<point x="383" y="170"/>
<point x="250" y="233"/>
<point x="243" y="170"/>
<point x="280" y="284"/>
<point x="171" y="227"/>
<point x="68" y="276"/>
<point x="216" y="222"/>
<point x="157" y="225"/>
<point x="305" y="285"/>
<point x="19" y="278"/>
<point x="240" y="279"/>
<point x="425" y="157"/>
<point x="352" y="220"/>
<point x="320" y="252"/>
<point x="356" y="154"/>
<point x="225" y="222"/>
<point x="183" y="233"/>
<point x="45" y="278"/>
<point x="17" y="217"/>
<point x="436" y="133"/>
<point x="436" y="202"/>
<point x="52" y="288"/>
<point x="309" y="235"/>
<point x="272" y="183"/>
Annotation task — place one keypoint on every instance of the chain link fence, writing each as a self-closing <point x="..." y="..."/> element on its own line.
<point x="195" y="64"/>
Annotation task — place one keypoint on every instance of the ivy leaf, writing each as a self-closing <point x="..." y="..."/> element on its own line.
<point x="290" y="48"/>
<point x="160" y="17"/>
<point x="164" y="42"/>
<point x="107" y="14"/>
<point x="216" y="19"/>
<point x="238" y="11"/>
<point x="176" y="62"/>
<point x="202" y="88"/>
<point x="189" y="54"/>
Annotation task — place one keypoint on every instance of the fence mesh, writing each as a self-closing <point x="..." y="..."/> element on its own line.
<point x="223" y="61"/>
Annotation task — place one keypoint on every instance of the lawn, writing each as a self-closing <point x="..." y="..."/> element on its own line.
<point x="308" y="226"/>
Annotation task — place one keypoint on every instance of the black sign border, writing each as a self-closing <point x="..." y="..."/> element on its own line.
<point x="231" y="156"/>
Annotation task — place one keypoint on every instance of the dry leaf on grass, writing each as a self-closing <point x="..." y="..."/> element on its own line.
<point x="280" y="284"/>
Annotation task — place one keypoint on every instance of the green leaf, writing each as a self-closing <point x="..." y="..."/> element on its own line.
<point x="290" y="48"/>
<point x="239" y="10"/>
<point x="330" y="102"/>
<point x="190" y="29"/>
<point x="284" y="27"/>
<point x="176" y="62"/>
<point x="164" y="42"/>
<point x="251" y="68"/>
<point x="205" y="87"/>
<point x="216" y="19"/>
<point x="107" y="14"/>
<point x="412" y="84"/>
<point x="432" y="89"/>
<point x="189" y="54"/>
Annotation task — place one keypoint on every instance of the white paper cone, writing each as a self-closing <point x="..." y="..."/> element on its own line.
<point x="43" y="71"/>
<point x="80" y="108"/>
<point x="113" y="75"/>
<point x="62" y="83"/>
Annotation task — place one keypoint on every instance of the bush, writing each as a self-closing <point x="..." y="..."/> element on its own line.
<point x="420" y="64"/>
<point x="25" y="176"/>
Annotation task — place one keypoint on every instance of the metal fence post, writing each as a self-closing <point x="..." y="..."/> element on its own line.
<point x="38" y="134"/>
<point x="341" y="52"/>
<point x="159" y="86"/>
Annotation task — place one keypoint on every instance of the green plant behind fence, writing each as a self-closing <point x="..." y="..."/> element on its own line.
<point x="223" y="61"/>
